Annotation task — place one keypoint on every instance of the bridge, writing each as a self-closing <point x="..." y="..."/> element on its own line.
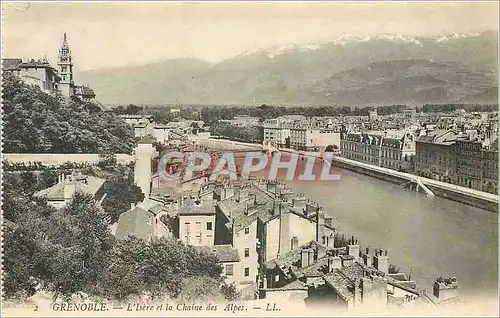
<point x="430" y="187"/>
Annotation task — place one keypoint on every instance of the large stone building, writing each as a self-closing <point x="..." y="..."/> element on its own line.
<point x="299" y="133"/>
<point x="465" y="160"/>
<point x="393" y="150"/>
<point x="436" y="156"/>
<point x="39" y="73"/>
<point x="477" y="164"/>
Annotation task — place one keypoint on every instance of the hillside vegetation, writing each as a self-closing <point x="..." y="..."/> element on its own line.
<point x="36" y="122"/>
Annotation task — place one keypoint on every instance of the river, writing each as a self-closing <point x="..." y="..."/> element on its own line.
<point x="433" y="236"/>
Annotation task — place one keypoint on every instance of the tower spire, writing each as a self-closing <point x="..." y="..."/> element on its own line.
<point x="65" y="65"/>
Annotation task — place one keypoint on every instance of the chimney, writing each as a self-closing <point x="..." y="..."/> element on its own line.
<point x="287" y="194"/>
<point x="445" y="288"/>
<point x="295" y="242"/>
<point x="132" y="205"/>
<point x="304" y="258"/>
<point x="284" y="239"/>
<point x="353" y="249"/>
<point x="333" y="263"/>
<point x="367" y="259"/>
<point x="271" y="187"/>
<point x="299" y="202"/>
<point x="330" y="240"/>
<point x="320" y="224"/>
<point x="310" y="209"/>
<point x="381" y="262"/>
<point x="311" y="256"/>
<point x="347" y="260"/>
<point x="328" y="222"/>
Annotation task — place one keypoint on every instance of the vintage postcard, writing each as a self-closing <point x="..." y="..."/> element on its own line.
<point x="255" y="159"/>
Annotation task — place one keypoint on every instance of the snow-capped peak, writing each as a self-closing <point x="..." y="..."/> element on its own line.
<point x="454" y="36"/>
<point x="280" y="50"/>
<point x="272" y="53"/>
<point x="398" y="38"/>
<point x="343" y="39"/>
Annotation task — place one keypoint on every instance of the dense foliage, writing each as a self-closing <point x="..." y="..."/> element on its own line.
<point x="36" y="122"/>
<point x="120" y="191"/>
<point x="72" y="250"/>
<point x="248" y="133"/>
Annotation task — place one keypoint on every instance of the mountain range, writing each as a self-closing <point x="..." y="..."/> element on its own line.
<point x="376" y="70"/>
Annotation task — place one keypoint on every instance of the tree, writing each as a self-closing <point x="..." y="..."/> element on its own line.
<point x="120" y="193"/>
<point x="78" y="246"/>
<point x="200" y="289"/>
<point x="393" y="269"/>
<point x="37" y="122"/>
<point x="230" y="292"/>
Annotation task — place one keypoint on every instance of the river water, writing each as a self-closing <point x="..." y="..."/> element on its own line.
<point x="431" y="235"/>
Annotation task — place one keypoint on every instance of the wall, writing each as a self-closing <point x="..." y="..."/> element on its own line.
<point x="272" y="239"/>
<point x="161" y="135"/>
<point x="242" y="241"/>
<point x="58" y="158"/>
<point x="237" y="276"/>
<point x="467" y="196"/>
<point x="196" y="233"/>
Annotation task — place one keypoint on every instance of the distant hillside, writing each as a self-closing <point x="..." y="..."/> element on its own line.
<point x="404" y="82"/>
<point x="335" y="72"/>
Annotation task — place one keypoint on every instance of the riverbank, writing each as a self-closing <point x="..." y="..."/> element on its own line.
<point x="479" y="199"/>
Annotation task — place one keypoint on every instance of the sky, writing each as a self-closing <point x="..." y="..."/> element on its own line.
<point x="112" y="34"/>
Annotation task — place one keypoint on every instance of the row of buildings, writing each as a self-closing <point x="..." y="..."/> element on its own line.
<point x="144" y="125"/>
<point x="296" y="132"/>
<point x="465" y="159"/>
<point x="390" y="149"/>
<point x="49" y="78"/>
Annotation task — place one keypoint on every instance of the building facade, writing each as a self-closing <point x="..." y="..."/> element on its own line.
<point x="389" y="151"/>
<point x="39" y="73"/>
<point x="436" y="156"/>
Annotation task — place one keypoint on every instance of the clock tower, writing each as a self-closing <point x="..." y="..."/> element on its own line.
<point x="65" y="66"/>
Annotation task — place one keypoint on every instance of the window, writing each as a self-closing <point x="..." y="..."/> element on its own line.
<point x="247" y="252"/>
<point x="209" y="226"/>
<point x="247" y="230"/>
<point x="247" y="271"/>
<point x="229" y="270"/>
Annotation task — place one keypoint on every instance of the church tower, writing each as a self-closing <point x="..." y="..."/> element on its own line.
<point x="65" y="64"/>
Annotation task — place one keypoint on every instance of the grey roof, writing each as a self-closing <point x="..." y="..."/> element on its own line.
<point x="84" y="184"/>
<point x="135" y="222"/>
<point x="242" y="215"/>
<point x="225" y="253"/>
